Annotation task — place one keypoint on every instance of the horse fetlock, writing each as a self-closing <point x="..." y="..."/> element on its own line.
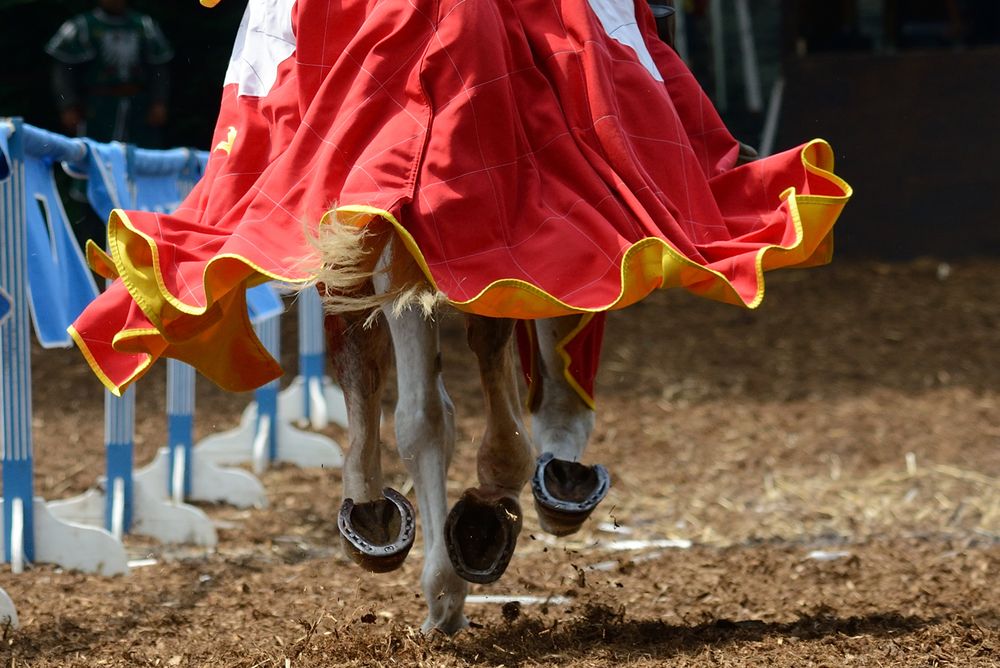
<point x="565" y="437"/>
<point x="445" y="592"/>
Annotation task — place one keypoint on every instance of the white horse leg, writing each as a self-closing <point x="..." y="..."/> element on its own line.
<point x="425" y="433"/>
<point x="482" y="528"/>
<point x="376" y="525"/>
<point x="562" y="422"/>
<point x="565" y="491"/>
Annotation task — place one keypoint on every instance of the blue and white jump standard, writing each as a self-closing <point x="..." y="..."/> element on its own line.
<point x="55" y="279"/>
<point x="125" y="502"/>
<point x="158" y="181"/>
<point x="31" y="532"/>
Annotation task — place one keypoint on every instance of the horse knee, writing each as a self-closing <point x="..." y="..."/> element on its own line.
<point x="421" y="424"/>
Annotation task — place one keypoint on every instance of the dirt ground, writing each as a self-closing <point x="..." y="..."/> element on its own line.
<point x="822" y="475"/>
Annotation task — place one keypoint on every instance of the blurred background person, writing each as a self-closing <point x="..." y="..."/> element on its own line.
<point x="110" y="75"/>
<point x="111" y="82"/>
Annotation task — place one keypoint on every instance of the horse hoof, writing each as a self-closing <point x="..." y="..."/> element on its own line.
<point x="566" y="493"/>
<point x="377" y="535"/>
<point x="481" y="534"/>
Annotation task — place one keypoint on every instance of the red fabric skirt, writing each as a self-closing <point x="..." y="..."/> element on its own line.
<point x="534" y="158"/>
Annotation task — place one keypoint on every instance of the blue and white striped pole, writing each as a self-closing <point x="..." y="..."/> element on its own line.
<point x="180" y="428"/>
<point x="312" y="358"/>
<point x="119" y="428"/>
<point x="15" y="364"/>
<point x="158" y="181"/>
<point x="265" y="445"/>
<point x="180" y="400"/>
<point x="311" y="397"/>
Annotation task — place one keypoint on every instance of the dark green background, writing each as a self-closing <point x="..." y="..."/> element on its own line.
<point x="202" y="40"/>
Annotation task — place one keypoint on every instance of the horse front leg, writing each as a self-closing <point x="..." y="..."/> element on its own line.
<point x="482" y="528"/>
<point x="425" y="435"/>
<point x="376" y="524"/>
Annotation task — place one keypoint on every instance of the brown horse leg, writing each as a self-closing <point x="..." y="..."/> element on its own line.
<point x="376" y="524"/>
<point x="482" y="528"/>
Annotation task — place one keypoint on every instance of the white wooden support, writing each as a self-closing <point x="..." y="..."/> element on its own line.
<point x="8" y="615"/>
<point x="31" y="533"/>
<point x="178" y="472"/>
<point x="263" y="437"/>
<point x="125" y="503"/>
<point x="165" y="521"/>
<point x="312" y="398"/>
<point x="71" y="545"/>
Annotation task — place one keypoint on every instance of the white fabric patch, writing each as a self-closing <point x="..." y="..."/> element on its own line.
<point x="618" y="19"/>
<point x="265" y="39"/>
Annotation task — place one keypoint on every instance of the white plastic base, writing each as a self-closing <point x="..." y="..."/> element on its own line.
<point x="326" y="404"/>
<point x="209" y="482"/>
<point x="237" y="446"/>
<point x="8" y="615"/>
<point x="165" y="521"/>
<point x="74" y="545"/>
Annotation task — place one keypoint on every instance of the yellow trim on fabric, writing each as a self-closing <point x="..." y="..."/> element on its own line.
<point x="96" y="368"/>
<point x="640" y="257"/>
<point x="128" y="334"/>
<point x="100" y="262"/>
<point x="136" y="258"/>
<point x="149" y="290"/>
<point x="567" y="360"/>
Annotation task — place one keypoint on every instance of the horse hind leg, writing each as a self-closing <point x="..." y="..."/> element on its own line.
<point x="482" y="528"/>
<point x="566" y="492"/>
<point x="376" y="524"/>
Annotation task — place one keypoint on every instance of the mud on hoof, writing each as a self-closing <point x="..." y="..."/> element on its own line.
<point x="481" y="534"/>
<point x="377" y="535"/>
<point x="566" y="493"/>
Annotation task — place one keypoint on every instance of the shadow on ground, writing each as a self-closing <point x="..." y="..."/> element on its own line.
<point x="602" y="628"/>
